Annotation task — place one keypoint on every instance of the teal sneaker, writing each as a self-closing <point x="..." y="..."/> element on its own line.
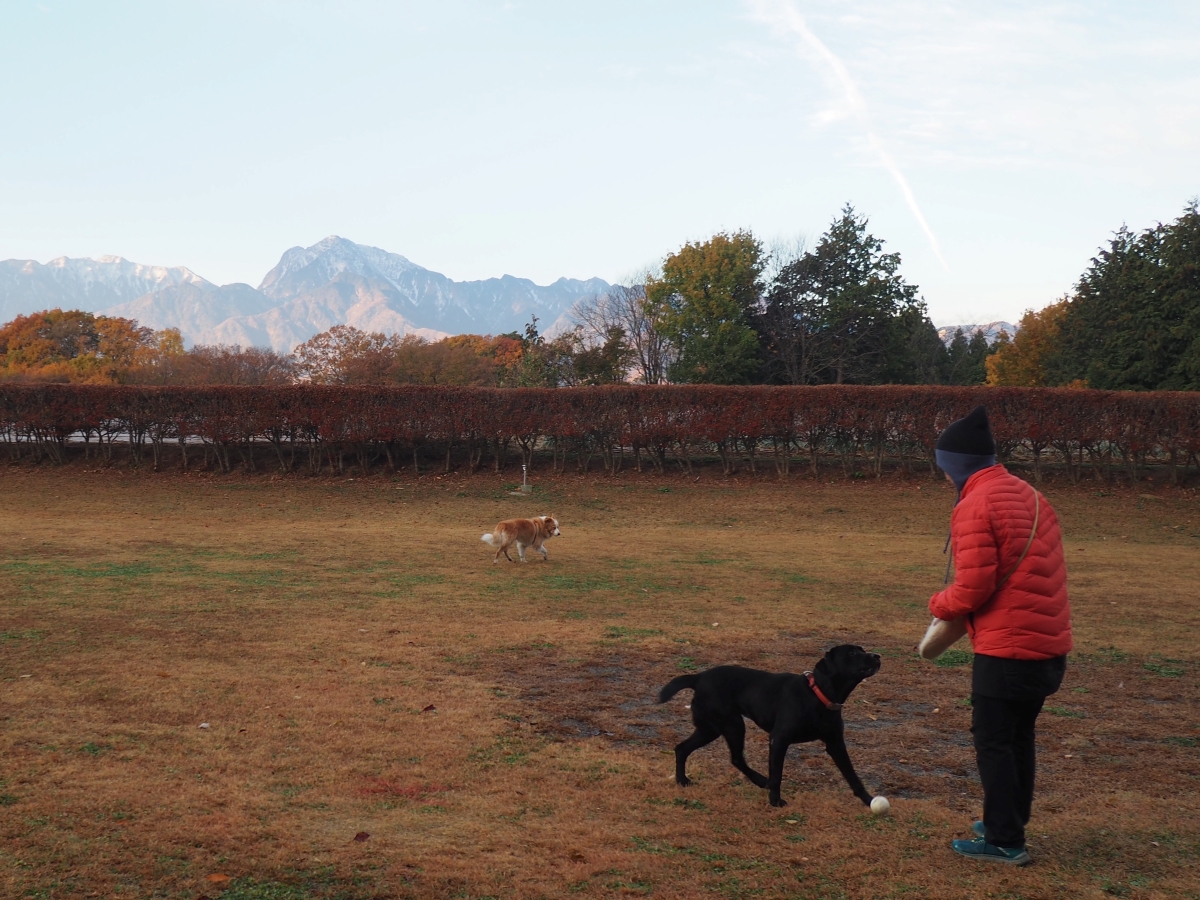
<point x="978" y="830"/>
<point x="981" y="849"/>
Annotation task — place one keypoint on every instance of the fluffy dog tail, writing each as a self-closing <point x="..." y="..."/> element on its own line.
<point x="675" y="685"/>
<point x="489" y="539"/>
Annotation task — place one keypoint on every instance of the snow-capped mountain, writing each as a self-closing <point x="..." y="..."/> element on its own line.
<point x="427" y="298"/>
<point x="88" y="284"/>
<point x="304" y="269"/>
<point x="991" y="331"/>
<point x="311" y="289"/>
<point x="348" y="299"/>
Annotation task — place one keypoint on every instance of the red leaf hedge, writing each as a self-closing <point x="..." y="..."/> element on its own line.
<point x="898" y="422"/>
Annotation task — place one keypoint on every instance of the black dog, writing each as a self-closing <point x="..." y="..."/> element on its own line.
<point x="791" y="708"/>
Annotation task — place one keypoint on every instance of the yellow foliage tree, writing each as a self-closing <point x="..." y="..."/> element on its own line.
<point x="1020" y="361"/>
<point x="77" y="346"/>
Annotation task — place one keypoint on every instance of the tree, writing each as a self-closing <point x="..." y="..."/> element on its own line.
<point x="584" y="360"/>
<point x="77" y="346"/>
<point x="1134" y="320"/>
<point x="1021" y="361"/>
<point x="703" y="302"/>
<point x="966" y="358"/>
<point x="537" y="365"/>
<point x="225" y="364"/>
<point x="346" y="355"/>
<point x="502" y="352"/>
<point x="917" y="354"/>
<point x="842" y="313"/>
<point x="640" y="323"/>
<point x="446" y="362"/>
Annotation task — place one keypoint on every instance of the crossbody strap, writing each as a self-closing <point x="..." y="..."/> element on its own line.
<point x="1037" y="509"/>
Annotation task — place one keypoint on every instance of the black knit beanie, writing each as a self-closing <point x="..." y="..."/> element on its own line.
<point x="971" y="435"/>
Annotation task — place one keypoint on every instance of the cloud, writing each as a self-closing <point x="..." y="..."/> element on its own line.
<point x="783" y="16"/>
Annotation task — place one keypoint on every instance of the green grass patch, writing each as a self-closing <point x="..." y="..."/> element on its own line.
<point x="1180" y="741"/>
<point x="1162" y="669"/>
<point x="412" y="580"/>
<point x="1065" y="713"/>
<point x="953" y="658"/>
<point x="249" y="889"/>
<point x="99" y="570"/>
<point x="29" y="635"/>
<point x="800" y="578"/>
<point x="1104" y="656"/>
<point x="578" y="583"/>
<point x="621" y="633"/>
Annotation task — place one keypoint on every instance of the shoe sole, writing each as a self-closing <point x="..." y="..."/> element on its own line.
<point x="1023" y="860"/>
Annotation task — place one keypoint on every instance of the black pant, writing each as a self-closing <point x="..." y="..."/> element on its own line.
<point x="1004" y="752"/>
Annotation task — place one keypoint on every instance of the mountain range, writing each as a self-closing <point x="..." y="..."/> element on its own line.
<point x="333" y="282"/>
<point x="991" y="331"/>
<point x="311" y="289"/>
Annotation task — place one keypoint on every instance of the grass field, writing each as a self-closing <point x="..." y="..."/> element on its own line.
<point x="324" y="688"/>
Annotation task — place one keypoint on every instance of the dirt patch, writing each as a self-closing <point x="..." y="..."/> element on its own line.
<point x="907" y="728"/>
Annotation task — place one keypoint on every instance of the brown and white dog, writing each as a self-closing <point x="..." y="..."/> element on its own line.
<point x="524" y="533"/>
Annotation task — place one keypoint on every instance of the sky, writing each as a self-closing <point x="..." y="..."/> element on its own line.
<point x="996" y="147"/>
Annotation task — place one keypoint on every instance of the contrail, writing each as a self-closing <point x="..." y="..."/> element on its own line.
<point x="784" y="15"/>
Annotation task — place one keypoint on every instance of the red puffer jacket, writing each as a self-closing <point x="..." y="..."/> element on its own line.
<point x="1029" y="617"/>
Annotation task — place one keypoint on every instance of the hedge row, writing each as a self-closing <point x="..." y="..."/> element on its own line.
<point x="314" y="426"/>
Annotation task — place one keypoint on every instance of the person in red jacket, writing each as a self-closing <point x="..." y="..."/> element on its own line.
<point x="1010" y="584"/>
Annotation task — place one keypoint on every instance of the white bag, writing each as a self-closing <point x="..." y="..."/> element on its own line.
<point x="941" y="636"/>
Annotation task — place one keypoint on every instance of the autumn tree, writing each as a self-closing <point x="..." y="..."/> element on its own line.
<point x="346" y="355"/>
<point x="704" y="301"/>
<point x="447" y="362"/>
<point x="1021" y="361"/>
<point x="502" y="352"/>
<point x="225" y="364"/>
<point x="158" y="360"/>
<point x="77" y="346"/>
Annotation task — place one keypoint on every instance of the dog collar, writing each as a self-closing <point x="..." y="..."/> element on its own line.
<point x="812" y="683"/>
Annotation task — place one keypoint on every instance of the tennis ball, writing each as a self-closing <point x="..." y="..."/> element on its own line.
<point x="880" y="805"/>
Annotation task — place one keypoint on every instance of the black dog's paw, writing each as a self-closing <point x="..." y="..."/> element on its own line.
<point x="778" y="801"/>
<point x="683" y="781"/>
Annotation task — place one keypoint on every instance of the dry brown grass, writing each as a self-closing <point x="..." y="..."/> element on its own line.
<point x="311" y="623"/>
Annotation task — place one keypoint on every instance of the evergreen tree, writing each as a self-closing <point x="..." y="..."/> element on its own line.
<point x="1134" y="321"/>
<point x="966" y="358"/>
<point x="842" y="313"/>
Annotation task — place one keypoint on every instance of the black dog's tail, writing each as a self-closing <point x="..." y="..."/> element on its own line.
<point x="675" y="685"/>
